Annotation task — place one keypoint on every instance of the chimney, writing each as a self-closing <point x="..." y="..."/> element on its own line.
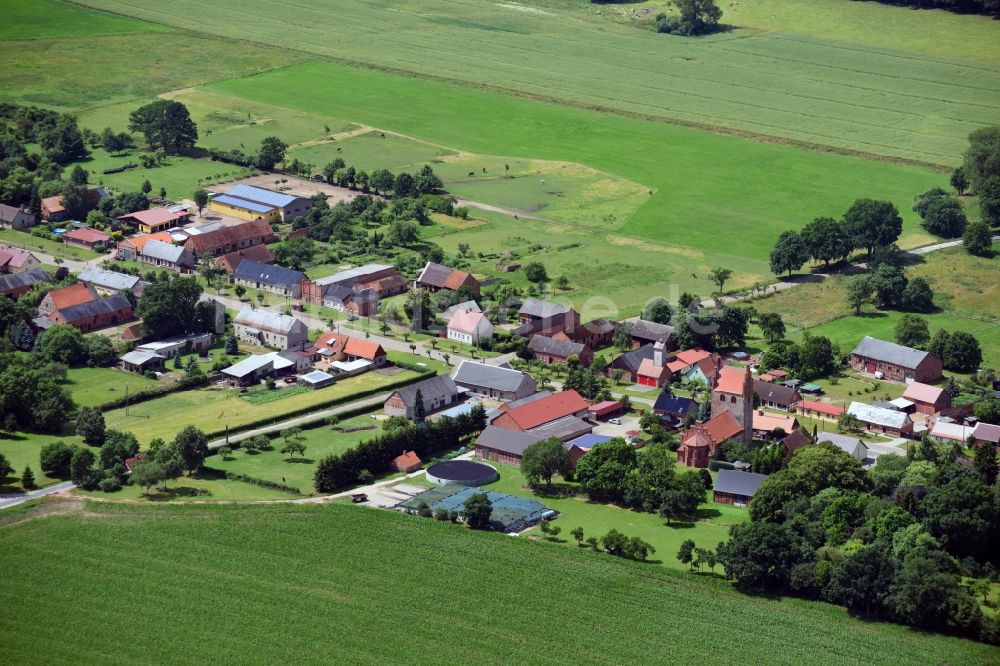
<point x="659" y="351"/>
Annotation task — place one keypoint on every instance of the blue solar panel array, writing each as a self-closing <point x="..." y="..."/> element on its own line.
<point x="259" y="194"/>
<point x="243" y="203"/>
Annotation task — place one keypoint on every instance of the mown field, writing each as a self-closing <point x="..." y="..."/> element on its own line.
<point x="966" y="292"/>
<point x="90" y="387"/>
<point x="344" y="584"/>
<point x="801" y="87"/>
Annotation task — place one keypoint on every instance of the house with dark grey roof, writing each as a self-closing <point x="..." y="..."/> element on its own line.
<point x="435" y="277"/>
<point x="775" y="396"/>
<point x="674" y="408"/>
<point x="539" y="317"/>
<point x="266" y="277"/>
<point x="16" y="218"/>
<point x="644" y="332"/>
<point x="436" y="394"/>
<point x="552" y="351"/>
<point x="887" y="360"/>
<point x="15" y="284"/>
<point x="504" y="446"/>
<point x="732" y="487"/>
<point x="492" y="381"/>
<point x="96" y="314"/>
<point x="630" y="361"/>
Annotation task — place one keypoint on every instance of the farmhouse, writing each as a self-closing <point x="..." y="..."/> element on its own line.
<point x="491" y="381"/>
<point x="775" y="396"/>
<point x="819" y="410"/>
<point x="65" y="297"/>
<point x="86" y="237"/>
<point x="504" y="446"/>
<point x="259" y="253"/>
<point x="53" y="209"/>
<point x="15" y="217"/>
<point x="466" y="305"/>
<point x="926" y="398"/>
<point x="275" y="279"/>
<point x="14" y="260"/>
<point x="596" y="333"/>
<point x="435" y="277"/>
<point x="732" y="487"/>
<point x="629" y="363"/>
<point x="643" y="332"/>
<point x="15" y="284"/>
<point x="653" y="371"/>
<point x="171" y="347"/>
<point x="270" y="328"/>
<point x="539" y="317"/>
<point x="531" y="415"/>
<point x="130" y="248"/>
<point x="986" y="433"/>
<point x="110" y="282"/>
<point x="701" y="442"/>
<point x="895" y="362"/>
<point x="852" y="446"/>
<point x="879" y="419"/>
<point x="947" y="432"/>
<point x="155" y="219"/>
<point x="469" y="327"/>
<point x="356" y="290"/>
<point x="436" y="393"/>
<point x="558" y="352"/>
<point x="256" y="203"/>
<point x="95" y="314"/>
<point x="140" y="362"/>
<point x="674" y="409"/>
<point x="230" y="239"/>
<point x="338" y="348"/>
<point x="166" y="255"/>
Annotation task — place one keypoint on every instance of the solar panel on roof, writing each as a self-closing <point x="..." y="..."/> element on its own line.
<point x="243" y="203"/>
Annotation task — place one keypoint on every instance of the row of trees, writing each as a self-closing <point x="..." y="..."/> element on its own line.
<point x="888" y="287"/>
<point x="892" y="543"/>
<point x="382" y="181"/>
<point x="961" y="6"/>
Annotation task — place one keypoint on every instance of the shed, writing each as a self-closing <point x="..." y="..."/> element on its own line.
<point x="738" y="488"/>
<point x="316" y="379"/>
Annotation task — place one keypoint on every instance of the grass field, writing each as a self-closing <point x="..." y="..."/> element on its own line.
<point x="279" y="577"/>
<point x="21" y="450"/>
<point x="203" y="486"/>
<point x="214" y="409"/>
<point x="34" y="243"/>
<point x="802" y="87"/>
<point x="90" y="387"/>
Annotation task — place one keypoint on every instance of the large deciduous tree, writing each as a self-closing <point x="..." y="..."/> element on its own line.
<point x="543" y="460"/>
<point x="827" y="240"/>
<point x="873" y="223"/>
<point x="272" y="151"/>
<point x="167" y="126"/>
<point x="789" y="253"/>
<point x="168" y="308"/>
<point x="912" y="331"/>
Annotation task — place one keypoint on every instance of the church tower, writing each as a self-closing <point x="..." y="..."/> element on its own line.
<point x="733" y="393"/>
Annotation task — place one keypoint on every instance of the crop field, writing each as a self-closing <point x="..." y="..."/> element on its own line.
<point x="805" y="88"/>
<point x="289" y="579"/>
<point x="214" y="409"/>
<point x="966" y="292"/>
<point x="90" y="387"/>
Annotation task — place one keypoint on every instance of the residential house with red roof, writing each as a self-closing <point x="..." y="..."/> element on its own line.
<point x="259" y="253"/>
<point x="819" y="410"/>
<point x="86" y="237"/>
<point x="530" y="415"/>
<point x="469" y="327"/>
<point x="230" y="239"/>
<point x="16" y="260"/>
<point x="154" y="220"/>
<point x="342" y="348"/>
<point x="406" y="462"/>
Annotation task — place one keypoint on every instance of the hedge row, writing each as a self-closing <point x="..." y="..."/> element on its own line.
<point x="324" y="405"/>
<point x="264" y="483"/>
<point x="336" y="472"/>
<point x="716" y="465"/>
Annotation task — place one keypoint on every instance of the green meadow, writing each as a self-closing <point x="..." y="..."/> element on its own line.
<point x="345" y="584"/>
<point x="816" y="89"/>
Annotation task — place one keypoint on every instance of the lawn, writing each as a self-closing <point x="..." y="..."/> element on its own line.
<point x="265" y="583"/>
<point x="298" y="472"/>
<point x="214" y="409"/>
<point x="34" y="243"/>
<point x="822" y="88"/>
<point x="21" y="450"/>
<point x="204" y="486"/>
<point x="709" y="530"/>
<point x="90" y="387"/>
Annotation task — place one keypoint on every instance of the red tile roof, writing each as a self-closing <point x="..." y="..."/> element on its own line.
<point x="153" y="216"/>
<point x="87" y="235"/>
<point x="821" y="407"/>
<point x="731" y="380"/>
<point x="549" y="408"/>
<point x="917" y="392"/>
<point x="714" y="431"/>
<point x="648" y="369"/>
<point x="350" y="345"/>
<point x="466" y="321"/>
<point x="259" y="253"/>
<point x="139" y="242"/>
<point x="455" y="280"/>
<point x="75" y="294"/>
<point x="407" y="460"/>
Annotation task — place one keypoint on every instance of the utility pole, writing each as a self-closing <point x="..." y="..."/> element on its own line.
<point x="126" y="398"/>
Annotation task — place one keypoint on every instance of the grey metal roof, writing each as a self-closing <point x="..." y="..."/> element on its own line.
<point x="878" y="415"/>
<point x="470" y="373"/>
<point x="544" y="309"/>
<point x="113" y="303"/>
<point x="768" y="392"/>
<point x="138" y="357"/>
<point x="738" y="483"/>
<point x="352" y="275"/>
<point x="890" y="352"/>
<point x="249" y="365"/>
<point x="431" y="389"/>
<point x="162" y="251"/>
<point x="260" y="195"/>
<point x="543" y="345"/>
<point x="650" y="330"/>
<point x="630" y="360"/>
<point x="565" y="427"/>
<point x="254" y="271"/>
<point x="273" y="321"/>
<point x="508" y="441"/>
<point x="27" y="278"/>
<point x="108" y="279"/>
<point x="852" y="446"/>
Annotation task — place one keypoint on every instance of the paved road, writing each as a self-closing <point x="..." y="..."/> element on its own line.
<point x="7" y="501"/>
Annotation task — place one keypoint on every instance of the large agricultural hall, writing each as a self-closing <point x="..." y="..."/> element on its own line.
<point x="256" y="203"/>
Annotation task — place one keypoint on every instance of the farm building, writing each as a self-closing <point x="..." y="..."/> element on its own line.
<point x="927" y="399"/>
<point x="895" y="362"/>
<point x="947" y="432"/>
<point x="342" y="348"/>
<point x="271" y="329"/>
<point x="141" y="361"/>
<point x="249" y="371"/>
<point x="230" y="239"/>
<point x="819" y="410"/>
<point x="171" y="347"/>
<point x="558" y="352"/>
<point x="738" y="488"/>
<point x="95" y="314"/>
<point x="155" y="219"/>
<point x="596" y="333"/>
<point x="436" y="394"/>
<point x="65" y="297"/>
<point x="529" y="415"/>
<point x="256" y="203"/>
<point x="701" y="441"/>
<point x="110" y="282"/>
<point x="406" y="462"/>
<point x="852" y="446"/>
<point x="15" y="284"/>
<point x="775" y="396"/>
<point x="491" y="381"/>
<point x="14" y="217"/>
<point x="539" y="317"/>
<point x="166" y="255"/>
<point x="259" y="253"/>
<point x="275" y="279"/>
<point x="130" y="248"/>
<point x="469" y="327"/>
<point x="642" y="332"/>
<point x="504" y="446"/>
<point x="15" y="260"/>
<point x="86" y="237"/>
<point x="435" y="277"/>
<point x="879" y="419"/>
<point x="673" y="408"/>
<point x="316" y="379"/>
<point x="606" y="409"/>
<point x="986" y="433"/>
<point x="765" y="423"/>
<point x="356" y="290"/>
<point x="629" y="363"/>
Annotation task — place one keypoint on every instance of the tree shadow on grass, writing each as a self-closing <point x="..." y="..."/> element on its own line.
<point x="305" y="461"/>
<point x="707" y="514"/>
<point x="175" y="492"/>
<point x="680" y="524"/>
<point x="12" y="437"/>
<point x="556" y="490"/>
